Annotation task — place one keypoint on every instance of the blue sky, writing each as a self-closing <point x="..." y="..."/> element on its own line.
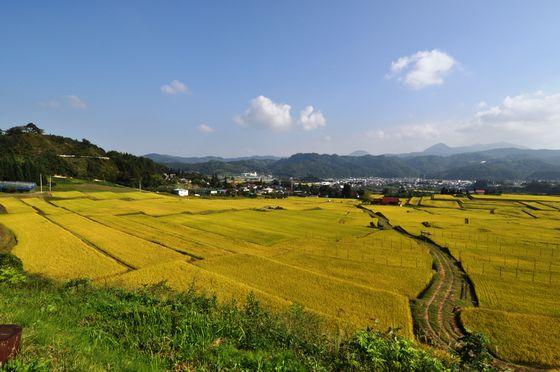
<point x="277" y="77"/>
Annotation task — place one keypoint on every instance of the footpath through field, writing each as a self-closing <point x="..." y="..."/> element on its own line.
<point x="436" y="311"/>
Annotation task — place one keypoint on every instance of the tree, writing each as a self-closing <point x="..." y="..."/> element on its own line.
<point x="214" y="181"/>
<point x="32" y="128"/>
<point x="347" y="191"/>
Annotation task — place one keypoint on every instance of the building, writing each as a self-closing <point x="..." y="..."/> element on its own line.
<point x="387" y="200"/>
<point x="268" y="190"/>
<point x="181" y="192"/>
<point x="17" y="186"/>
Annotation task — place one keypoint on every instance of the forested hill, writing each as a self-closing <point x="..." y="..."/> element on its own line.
<point x="495" y="164"/>
<point x="26" y="152"/>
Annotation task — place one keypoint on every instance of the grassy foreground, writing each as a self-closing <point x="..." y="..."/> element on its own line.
<point x="75" y="326"/>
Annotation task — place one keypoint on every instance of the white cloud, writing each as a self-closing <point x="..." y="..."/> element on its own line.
<point x="481" y="105"/>
<point x="205" y="128"/>
<point x="52" y="104"/>
<point x="416" y="132"/>
<point x="423" y="68"/>
<point x="327" y="138"/>
<point x="311" y="119"/>
<point x="174" y="87"/>
<point x="533" y="114"/>
<point x="263" y="112"/>
<point x="422" y="131"/>
<point x="376" y="134"/>
<point x="528" y="119"/>
<point x="76" y="102"/>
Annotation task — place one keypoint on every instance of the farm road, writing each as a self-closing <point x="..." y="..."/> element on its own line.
<point x="436" y="311"/>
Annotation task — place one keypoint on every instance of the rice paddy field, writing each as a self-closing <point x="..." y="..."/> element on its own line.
<point x="509" y="247"/>
<point x="325" y="255"/>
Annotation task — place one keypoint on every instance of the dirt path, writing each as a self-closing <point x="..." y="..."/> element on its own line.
<point x="436" y="310"/>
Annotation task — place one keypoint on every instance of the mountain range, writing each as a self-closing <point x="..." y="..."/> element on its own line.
<point x="498" y="161"/>
<point x="27" y="152"/>
<point x="172" y="159"/>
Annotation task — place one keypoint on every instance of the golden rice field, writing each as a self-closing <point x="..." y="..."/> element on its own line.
<point x="510" y="249"/>
<point x="48" y="249"/>
<point x="322" y="254"/>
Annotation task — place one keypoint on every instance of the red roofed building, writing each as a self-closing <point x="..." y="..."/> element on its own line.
<point x="387" y="200"/>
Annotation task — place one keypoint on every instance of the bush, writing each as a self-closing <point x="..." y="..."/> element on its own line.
<point x="378" y="351"/>
<point x="474" y="352"/>
<point x="11" y="276"/>
<point x="77" y="284"/>
<point x="10" y="261"/>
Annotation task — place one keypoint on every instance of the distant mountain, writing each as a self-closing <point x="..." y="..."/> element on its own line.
<point x="171" y="159"/>
<point x="359" y="153"/>
<point x="337" y="166"/>
<point x="441" y="149"/>
<point x="496" y="164"/>
<point x="226" y="167"/>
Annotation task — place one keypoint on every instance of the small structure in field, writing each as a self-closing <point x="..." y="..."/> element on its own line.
<point x="10" y="340"/>
<point x="181" y="192"/>
<point x="387" y="200"/>
<point x="17" y="186"/>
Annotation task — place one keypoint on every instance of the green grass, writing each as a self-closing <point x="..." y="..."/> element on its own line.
<point x="82" y="328"/>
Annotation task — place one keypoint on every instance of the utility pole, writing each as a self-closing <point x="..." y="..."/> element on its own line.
<point x="41" y="182"/>
<point x="50" y="183"/>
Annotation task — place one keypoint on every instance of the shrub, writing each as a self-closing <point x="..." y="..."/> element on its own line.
<point x="10" y="261"/>
<point x="474" y="352"/>
<point x="11" y="275"/>
<point x="76" y="284"/>
<point x="386" y="351"/>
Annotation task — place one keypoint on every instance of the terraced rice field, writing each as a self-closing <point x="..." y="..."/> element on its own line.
<point x="439" y="202"/>
<point x="509" y="247"/>
<point x="47" y="249"/>
<point x="322" y="254"/>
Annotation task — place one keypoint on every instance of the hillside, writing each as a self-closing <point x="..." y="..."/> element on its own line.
<point x="28" y="152"/>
